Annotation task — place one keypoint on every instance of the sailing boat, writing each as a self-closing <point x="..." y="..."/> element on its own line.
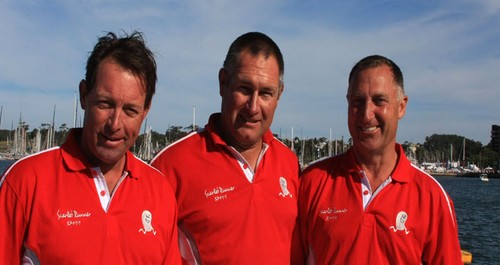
<point x="146" y="150"/>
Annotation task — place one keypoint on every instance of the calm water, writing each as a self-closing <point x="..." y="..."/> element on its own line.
<point x="477" y="204"/>
<point x="4" y="164"/>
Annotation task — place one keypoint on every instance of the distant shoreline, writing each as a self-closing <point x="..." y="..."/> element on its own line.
<point x="465" y="175"/>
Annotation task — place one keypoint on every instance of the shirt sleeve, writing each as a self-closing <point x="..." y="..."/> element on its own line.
<point x="12" y="223"/>
<point x="166" y="169"/>
<point x="300" y="245"/>
<point x="173" y="255"/>
<point x="443" y="246"/>
<point x="297" y="256"/>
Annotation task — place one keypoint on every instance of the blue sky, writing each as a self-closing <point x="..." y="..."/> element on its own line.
<point x="448" y="51"/>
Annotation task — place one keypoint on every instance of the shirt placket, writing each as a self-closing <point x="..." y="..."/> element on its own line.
<point x="103" y="192"/>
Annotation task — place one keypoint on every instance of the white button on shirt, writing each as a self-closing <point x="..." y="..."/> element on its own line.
<point x="102" y="187"/>
<point x="248" y="170"/>
<point x="366" y="190"/>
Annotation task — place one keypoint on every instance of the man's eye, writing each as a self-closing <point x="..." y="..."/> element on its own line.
<point x="379" y="101"/>
<point x="244" y="90"/>
<point x="103" y="105"/>
<point x="131" y="112"/>
<point x="356" y="102"/>
<point x="266" y="93"/>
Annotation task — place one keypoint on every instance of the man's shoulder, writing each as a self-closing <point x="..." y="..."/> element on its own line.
<point x="425" y="184"/>
<point x="182" y="145"/>
<point x="27" y="169"/>
<point x="138" y="165"/>
<point x="282" y="148"/>
<point x="43" y="158"/>
<point x="323" y="169"/>
<point x="324" y="163"/>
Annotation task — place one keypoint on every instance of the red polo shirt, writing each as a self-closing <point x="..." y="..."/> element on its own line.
<point x="51" y="206"/>
<point x="225" y="218"/>
<point x="409" y="221"/>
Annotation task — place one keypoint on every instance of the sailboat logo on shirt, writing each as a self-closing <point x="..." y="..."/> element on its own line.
<point x="147" y="219"/>
<point x="401" y="219"/>
<point x="284" y="189"/>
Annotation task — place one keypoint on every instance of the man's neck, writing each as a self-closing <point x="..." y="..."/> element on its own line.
<point x="251" y="155"/>
<point x="377" y="166"/>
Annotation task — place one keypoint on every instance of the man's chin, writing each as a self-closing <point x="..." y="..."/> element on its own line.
<point x="248" y="141"/>
<point x="110" y="157"/>
<point x="366" y="144"/>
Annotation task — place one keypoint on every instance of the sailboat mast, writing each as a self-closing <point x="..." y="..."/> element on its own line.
<point x="303" y="147"/>
<point x="75" y="111"/>
<point x="194" y="117"/>
<point x="330" y="144"/>
<point x="464" y="150"/>
<point x="53" y="135"/>
<point x="451" y="153"/>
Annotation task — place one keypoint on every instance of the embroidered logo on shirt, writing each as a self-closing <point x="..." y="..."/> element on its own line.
<point x="284" y="189"/>
<point x="401" y="219"/>
<point x="147" y="219"/>
<point x="72" y="217"/>
<point x="331" y="213"/>
<point x="219" y="193"/>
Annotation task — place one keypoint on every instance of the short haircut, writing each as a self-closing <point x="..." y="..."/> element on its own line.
<point x="131" y="53"/>
<point x="257" y="44"/>
<point x="374" y="61"/>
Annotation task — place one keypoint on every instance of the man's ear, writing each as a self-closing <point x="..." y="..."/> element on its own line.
<point x="82" y="88"/>
<point x="147" y="108"/>
<point x="222" y="81"/>
<point x="402" y="107"/>
<point x="280" y="91"/>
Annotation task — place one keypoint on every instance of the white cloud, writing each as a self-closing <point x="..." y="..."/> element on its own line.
<point x="447" y="50"/>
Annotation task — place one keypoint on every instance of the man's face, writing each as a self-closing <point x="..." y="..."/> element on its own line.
<point x="250" y="95"/>
<point x="374" y="110"/>
<point x="114" y="111"/>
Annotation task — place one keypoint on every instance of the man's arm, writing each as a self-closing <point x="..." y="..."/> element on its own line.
<point x="12" y="224"/>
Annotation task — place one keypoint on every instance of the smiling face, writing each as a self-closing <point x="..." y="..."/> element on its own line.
<point x="114" y="111"/>
<point x="375" y="105"/>
<point x="250" y="94"/>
